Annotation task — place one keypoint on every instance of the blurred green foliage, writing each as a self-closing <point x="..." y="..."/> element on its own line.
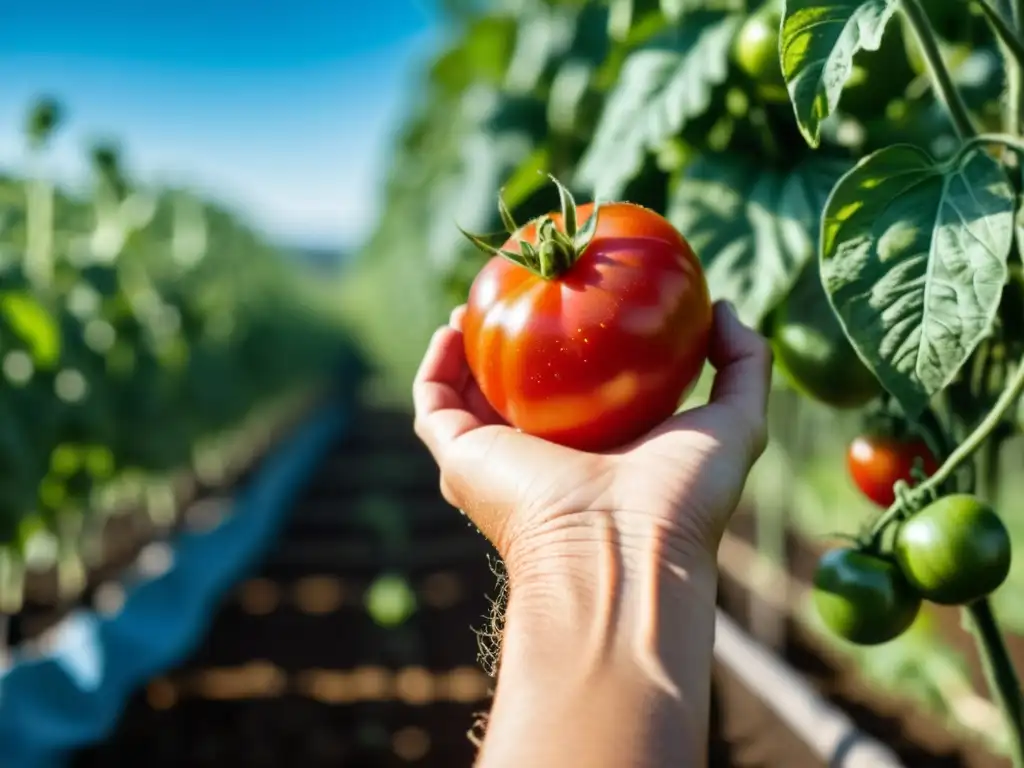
<point x="135" y="323"/>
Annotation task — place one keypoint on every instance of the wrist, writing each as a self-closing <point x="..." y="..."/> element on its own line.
<point x="609" y="632"/>
<point x="612" y="592"/>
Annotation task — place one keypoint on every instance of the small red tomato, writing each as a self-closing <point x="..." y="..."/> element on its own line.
<point x="876" y="462"/>
<point x="588" y="337"/>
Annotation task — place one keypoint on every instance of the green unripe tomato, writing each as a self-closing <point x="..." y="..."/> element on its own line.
<point x="954" y="551"/>
<point x="756" y="52"/>
<point x="812" y="352"/>
<point x="862" y="598"/>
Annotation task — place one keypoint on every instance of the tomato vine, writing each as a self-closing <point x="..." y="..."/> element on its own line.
<point x="868" y="219"/>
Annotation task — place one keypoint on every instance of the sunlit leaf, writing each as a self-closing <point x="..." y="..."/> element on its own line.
<point x="914" y="258"/>
<point x="818" y="42"/>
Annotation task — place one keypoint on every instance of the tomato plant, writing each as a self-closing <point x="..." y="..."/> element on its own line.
<point x="876" y="462"/>
<point x="954" y="551"/>
<point x="578" y="366"/>
<point x="863" y="209"/>
<point x="862" y="598"/>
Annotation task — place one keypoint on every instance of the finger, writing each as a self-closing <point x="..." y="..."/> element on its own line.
<point x="441" y="413"/>
<point x="457" y="316"/>
<point x="743" y="363"/>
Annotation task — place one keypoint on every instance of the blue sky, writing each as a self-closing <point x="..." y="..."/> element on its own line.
<point x="283" y="107"/>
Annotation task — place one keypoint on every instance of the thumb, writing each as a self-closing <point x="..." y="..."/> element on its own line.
<point x="736" y="413"/>
<point x="743" y="362"/>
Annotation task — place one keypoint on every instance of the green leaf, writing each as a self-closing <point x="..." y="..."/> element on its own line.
<point x="914" y="258"/>
<point x="35" y="325"/>
<point x="753" y="228"/>
<point x="818" y="41"/>
<point x="662" y="86"/>
<point x="568" y="95"/>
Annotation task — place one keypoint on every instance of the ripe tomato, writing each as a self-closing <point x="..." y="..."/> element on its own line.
<point x="954" y="551"/>
<point x="756" y="51"/>
<point x="876" y="462"/>
<point x="603" y="346"/>
<point x="862" y="598"/>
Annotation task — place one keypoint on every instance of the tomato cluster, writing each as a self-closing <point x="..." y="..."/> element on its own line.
<point x="953" y="552"/>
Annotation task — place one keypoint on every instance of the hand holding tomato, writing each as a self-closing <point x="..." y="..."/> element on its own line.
<point x="666" y="495"/>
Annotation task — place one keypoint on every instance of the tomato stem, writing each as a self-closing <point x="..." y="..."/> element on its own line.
<point x="999" y="672"/>
<point x="963" y="452"/>
<point x="555" y="250"/>
<point x="917" y="18"/>
<point x="1007" y="35"/>
<point x="1012" y="49"/>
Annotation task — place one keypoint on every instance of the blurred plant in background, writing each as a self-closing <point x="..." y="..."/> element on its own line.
<point x="136" y="324"/>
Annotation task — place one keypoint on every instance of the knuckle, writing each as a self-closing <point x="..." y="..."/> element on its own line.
<point x="446" y="490"/>
<point x="419" y="427"/>
<point x="761" y="350"/>
<point x="758" y="438"/>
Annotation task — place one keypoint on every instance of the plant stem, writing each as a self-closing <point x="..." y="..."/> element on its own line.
<point x="988" y="468"/>
<point x="942" y="80"/>
<point x="966" y="449"/>
<point x="1006" y="32"/>
<point x="1013" y="50"/>
<point x="963" y="452"/>
<point x="999" y="672"/>
<point x="1015" y="70"/>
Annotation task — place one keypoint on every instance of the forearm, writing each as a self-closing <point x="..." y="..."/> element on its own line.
<point x="606" y="663"/>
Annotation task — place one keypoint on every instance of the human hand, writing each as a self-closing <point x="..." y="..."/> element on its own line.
<point x="671" y="492"/>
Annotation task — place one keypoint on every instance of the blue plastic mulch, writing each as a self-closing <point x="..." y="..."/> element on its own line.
<point x="73" y="696"/>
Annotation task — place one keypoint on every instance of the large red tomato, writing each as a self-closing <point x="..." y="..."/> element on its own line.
<point x="876" y="462"/>
<point x="601" y="344"/>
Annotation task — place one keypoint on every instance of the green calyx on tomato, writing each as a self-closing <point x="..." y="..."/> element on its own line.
<point x="862" y="598"/>
<point x="756" y="51"/>
<point x="876" y="461"/>
<point x="598" y="354"/>
<point x="552" y="251"/>
<point x="954" y="551"/>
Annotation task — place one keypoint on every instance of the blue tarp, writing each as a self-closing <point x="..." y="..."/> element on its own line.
<point x="74" y="696"/>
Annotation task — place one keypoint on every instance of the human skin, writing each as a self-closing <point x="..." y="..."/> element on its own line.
<point x="611" y="559"/>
